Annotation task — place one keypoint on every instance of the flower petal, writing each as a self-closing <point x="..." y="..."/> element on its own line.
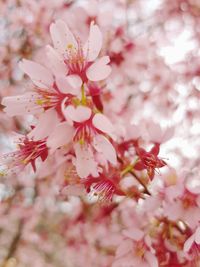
<point x="102" y="145"/>
<point x="188" y="243"/>
<point x="133" y="233"/>
<point x="151" y="259"/>
<point x="125" y="247"/>
<point x="102" y="123"/>
<point x="99" y="70"/>
<point x="55" y="62"/>
<point x="94" y="43"/>
<point x="155" y="132"/>
<point x="22" y="104"/>
<point x="62" y="37"/>
<point x="78" y="114"/>
<point x="45" y="124"/>
<point x="61" y="135"/>
<point x="169" y="132"/>
<point x="69" y="84"/>
<point x="159" y="135"/>
<point x="74" y="190"/>
<point x="85" y="163"/>
<point x="197" y="236"/>
<point x="40" y="75"/>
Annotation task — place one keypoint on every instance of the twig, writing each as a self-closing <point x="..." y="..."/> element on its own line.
<point x="146" y="191"/>
<point x="13" y="245"/>
<point x="129" y="170"/>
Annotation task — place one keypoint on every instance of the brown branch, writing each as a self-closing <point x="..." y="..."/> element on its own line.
<point x="13" y="245"/>
<point x="146" y="191"/>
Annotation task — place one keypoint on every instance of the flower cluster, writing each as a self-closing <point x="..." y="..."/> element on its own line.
<point x="90" y="170"/>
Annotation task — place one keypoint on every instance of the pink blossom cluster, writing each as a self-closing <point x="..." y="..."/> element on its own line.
<point x="97" y="175"/>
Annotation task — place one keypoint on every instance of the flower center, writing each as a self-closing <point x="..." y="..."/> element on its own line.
<point x="76" y="61"/>
<point x="49" y="99"/>
<point x="28" y="152"/>
<point x="84" y="132"/>
<point x="140" y="249"/>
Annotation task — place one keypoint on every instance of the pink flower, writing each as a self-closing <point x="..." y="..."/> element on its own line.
<point x="159" y="135"/>
<point x="134" y="250"/>
<point x="81" y="61"/>
<point x="149" y="160"/>
<point x="88" y="134"/>
<point x="28" y="152"/>
<point x="105" y="186"/>
<point x="50" y="92"/>
<point x="181" y="204"/>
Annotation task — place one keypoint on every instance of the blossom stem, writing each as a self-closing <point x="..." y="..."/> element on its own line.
<point x="83" y="97"/>
<point x="13" y="246"/>
<point x="129" y="169"/>
<point x="146" y="191"/>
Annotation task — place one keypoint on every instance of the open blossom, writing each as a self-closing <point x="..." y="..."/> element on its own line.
<point x="48" y="92"/>
<point x="134" y="250"/>
<point x="181" y="201"/>
<point x="149" y="160"/>
<point x="66" y="68"/>
<point x="27" y="153"/>
<point x="181" y="204"/>
<point x="105" y="186"/>
<point x="88" y="133"/>
<point x="81" y="60"/>
<point x="157" y="134"/>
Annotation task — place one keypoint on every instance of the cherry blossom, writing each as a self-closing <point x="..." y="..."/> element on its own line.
<point x="88" y="134"/>
<point x="81" y="60"/>
<point x="101" y="99"/>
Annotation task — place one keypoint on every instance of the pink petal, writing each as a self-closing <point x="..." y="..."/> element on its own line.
<point x="133" y="131"/>
<point x="197" y="236"/>
<point x="198" y="200"/>
<point x="126" y="261"/>
<point x="159" y="135"/>
<point x="74" y="190"/>
<point x="75" y="81"/>
<point x="21" y="104"/>
<point x="193" y="185"/>
<point x="102" y="145"/>
<point x="69" y="84"/>
<point x="55" y="62"/>
<point x="92" y="8"/>
<point x="79" y="114"/>
<point x="61" y="135"/>
<point x="188" y="243"/>
<point x="102" y="123"/>
<point x="61" y="36"/>
<point x="85" y="163"/>
<point x="155" y="132"/>
<point x="94" y="43"/>
<point x="40" y="75"/>
<point x="169" y="132"/>
<point x="45" y="124"/>
<point x="151" y="259"/>
<point x="173" y="211"/>
<point x="125" y="247"/>
<point x="133" y="233"/>
<point x="172" y="192"/>
<point x="99" y="70"/>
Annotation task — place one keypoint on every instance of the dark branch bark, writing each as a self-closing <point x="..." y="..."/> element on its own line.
<point x="14" y="244"/>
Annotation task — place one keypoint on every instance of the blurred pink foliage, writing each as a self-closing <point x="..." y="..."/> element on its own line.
<point x="99" y="133"/>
